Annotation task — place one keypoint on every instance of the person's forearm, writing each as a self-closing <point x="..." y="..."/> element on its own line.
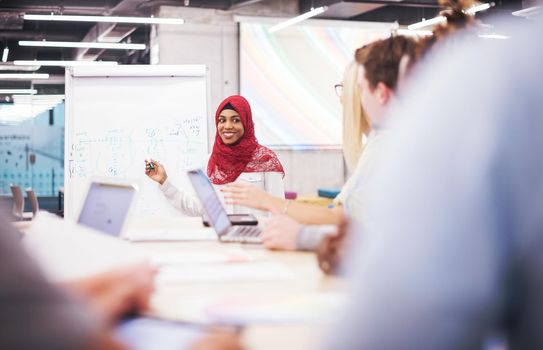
<point x="310" y="236"/>
<point x="306" y="213"/>
<point x="186" y="203"/>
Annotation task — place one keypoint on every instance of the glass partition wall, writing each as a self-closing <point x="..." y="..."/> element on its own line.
<point x="32" y="144"/>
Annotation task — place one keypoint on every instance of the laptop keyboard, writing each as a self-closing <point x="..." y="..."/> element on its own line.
<point x="243" y="234"/>
<point x="245" y="231"/>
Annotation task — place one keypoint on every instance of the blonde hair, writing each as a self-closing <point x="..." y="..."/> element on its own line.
<point x="355" y="121"/>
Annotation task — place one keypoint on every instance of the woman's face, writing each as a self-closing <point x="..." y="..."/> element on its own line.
<point x="230" y="127"/>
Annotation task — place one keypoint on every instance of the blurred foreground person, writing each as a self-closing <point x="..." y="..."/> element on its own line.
<point x="37" y="315"/>
<point x="80" y="314"/>
<point x="453" y="254"/>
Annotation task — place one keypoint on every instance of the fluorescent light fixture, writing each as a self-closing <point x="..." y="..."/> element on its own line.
<point x="314" y="12"/>
<point x="26" y="98"/>
<point x="527" y="12"/>
<point x="493" y="36"/>
<point x="478" y="8"/>
<point x="38" y="100"/>
<point x="5" y="54"/>
<point x="23" y="76"/>
<point x="9" y="66"/>
<point x="107" y="19"/>
<point x="18" y="91"/>
<point x="94" y="45"/>
<point x="441" y="19"/>
<point x="64" y="63"/>
<point x="40" y="97"/>
<point x="414" y="32"/>
<point x="426" y="23"/>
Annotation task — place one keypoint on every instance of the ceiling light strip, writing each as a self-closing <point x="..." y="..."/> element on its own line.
<point x="64" y="63"/>
<point x="527" y="12"/>
<point x="493" y="36"/>
<point x="478" y="8"/>
<point x="106" y="19"/>
<point x="427" y="23"/>
<point x="441" y="19"/>
<point x="5" y="54"/>
<point x="23" y="76"/>
<point x="94" y="45"/>
<point x="314" y="12"/>
<point x="18" y="91"/>
<point x="411" y="32"/>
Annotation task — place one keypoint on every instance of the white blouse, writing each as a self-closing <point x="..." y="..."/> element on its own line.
<point x="353" y="193"/>
<point x="271" y="182"/>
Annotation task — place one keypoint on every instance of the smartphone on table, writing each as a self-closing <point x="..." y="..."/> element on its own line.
<point x="236" y="219"/>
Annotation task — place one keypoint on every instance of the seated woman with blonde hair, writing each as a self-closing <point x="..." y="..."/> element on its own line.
<point x="285" y="231"/>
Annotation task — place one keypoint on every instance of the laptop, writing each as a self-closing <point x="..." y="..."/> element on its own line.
<point x="107" y="205"/>
<point x="217" y="214"/>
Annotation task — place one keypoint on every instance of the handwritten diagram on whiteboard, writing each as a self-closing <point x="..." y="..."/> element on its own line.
<point x="114" y="151"/>
<point x="114" y="123"/>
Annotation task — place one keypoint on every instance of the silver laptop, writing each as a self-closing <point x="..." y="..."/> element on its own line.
<point x="217" y="214"/>
<point x="107" y="205"/>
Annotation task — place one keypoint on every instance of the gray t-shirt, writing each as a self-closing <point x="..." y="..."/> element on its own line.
<point x="454" y="250"/>
<point x="310" y="236"/>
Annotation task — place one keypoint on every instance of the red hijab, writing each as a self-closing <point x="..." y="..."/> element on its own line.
<point x="227" y="162"/>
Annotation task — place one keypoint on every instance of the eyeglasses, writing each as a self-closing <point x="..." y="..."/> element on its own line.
<point x="339" y="89"/>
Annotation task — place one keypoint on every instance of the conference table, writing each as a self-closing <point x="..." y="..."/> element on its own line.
<point x="264" y="285"/>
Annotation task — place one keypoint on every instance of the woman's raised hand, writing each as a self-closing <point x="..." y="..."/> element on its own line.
<point x="155" y="171"/>
<point x="239" y="193"/>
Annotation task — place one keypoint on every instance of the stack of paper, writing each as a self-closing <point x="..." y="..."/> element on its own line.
<point x="67" y="251"/>
<point x="147" y="235"/>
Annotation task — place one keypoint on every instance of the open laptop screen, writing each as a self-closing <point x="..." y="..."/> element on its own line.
<point x="210" y="201"/>
<point x="106" y="207"/>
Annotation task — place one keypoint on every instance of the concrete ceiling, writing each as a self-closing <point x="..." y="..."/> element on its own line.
<point x="13" y="28"/>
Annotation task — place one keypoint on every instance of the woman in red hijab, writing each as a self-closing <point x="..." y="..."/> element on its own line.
<point x="236" y="156"/>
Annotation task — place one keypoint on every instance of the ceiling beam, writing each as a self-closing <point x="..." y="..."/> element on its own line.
<point x="109" y="32"/>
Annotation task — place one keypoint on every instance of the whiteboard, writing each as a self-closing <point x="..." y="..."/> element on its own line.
<point x="118" y="116"/>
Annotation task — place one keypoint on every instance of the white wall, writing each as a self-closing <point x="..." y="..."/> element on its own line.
<point x="211" y="37"/>
<point x="306" y="171"/>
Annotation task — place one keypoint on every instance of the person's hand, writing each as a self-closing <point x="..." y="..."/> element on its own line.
<point x="155" y="171"/>
<point x="118" y="291"/>
<point x="219" y="341"/>
<point x="280" y="232"/>
<point x="247" y="195"/>
<point x="331" y="250"/>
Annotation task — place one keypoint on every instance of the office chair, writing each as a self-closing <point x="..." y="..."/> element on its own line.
<point x="19" y="204"/>
<point x="33" y="201"/>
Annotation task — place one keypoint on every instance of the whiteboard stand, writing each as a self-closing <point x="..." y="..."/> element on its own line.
<point x="117" y="116"/>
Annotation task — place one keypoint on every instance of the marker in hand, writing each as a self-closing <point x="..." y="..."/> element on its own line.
<point x="155" y="171"/>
